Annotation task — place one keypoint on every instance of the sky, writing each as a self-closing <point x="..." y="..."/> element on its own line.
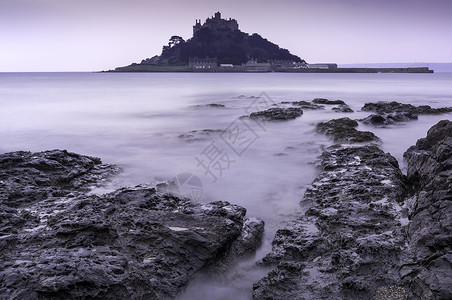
<point x="94" y="35"/>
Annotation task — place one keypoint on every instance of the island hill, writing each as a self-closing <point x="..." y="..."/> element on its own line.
<point x="219" y="45"/>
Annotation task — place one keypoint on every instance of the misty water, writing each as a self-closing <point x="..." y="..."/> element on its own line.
<point x="136" y="120"/>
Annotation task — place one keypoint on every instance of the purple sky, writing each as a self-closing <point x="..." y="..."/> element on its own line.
<point x="88" y="35"/>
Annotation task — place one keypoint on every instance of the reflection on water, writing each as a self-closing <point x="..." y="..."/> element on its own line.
<point x="135" y="120"/>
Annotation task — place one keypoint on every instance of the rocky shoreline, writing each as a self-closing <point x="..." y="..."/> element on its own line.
<point x="370" y="232"/>
<point x="59" y="242"/>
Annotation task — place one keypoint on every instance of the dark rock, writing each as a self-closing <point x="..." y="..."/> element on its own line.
<point x="429" y="170"/>
<point x="388" y="119"/>
<point x="277" y="114"/>
<point x="132" y="243"/>
<point x="27" y="177"/>
<point x="349" y="243"/>
<point x="383" y="107"/>
<point x="344" y="131"/>
<point x="328" y="102"/>
<point x="201" y="135"/>
<point x="304" y="104"/>
<point x="245" y="245"/>
<point x="212" y="105"/>
<point x="343" y="108"/>
<point x="250" y="239"/>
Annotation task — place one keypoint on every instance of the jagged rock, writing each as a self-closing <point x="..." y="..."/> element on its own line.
<point x="328" y="102"/>
<point x="344" y="130"/>
<point x="245" y="245"/>
<point x="277" y="114"/>
<point x="429" y="170"/>
<point x="383" y="107"/>
<point x="200" y="135"/>
<point x="250" y="239"/>
<point x="343" y="108"/>
<point x="132" y="243"/>
<point x="388" y="119"/>
<point x="304" y="104"/>
<point x="27" y="177"/>
<point x="349" y="243"/>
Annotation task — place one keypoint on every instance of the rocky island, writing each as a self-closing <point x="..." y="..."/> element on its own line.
<point x="218" y="45"/>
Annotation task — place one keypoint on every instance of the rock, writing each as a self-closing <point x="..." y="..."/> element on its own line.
<point x="393" y="112"/>
<point x="133" y="243"/>
<point x="383" y="107"/>
<point x="341" y="105"/>
<point x="211" y="105"/>
<point x="200" y="135"/>
<point x="245" y="245"/>
<point x="328" y="102"/>
<point x="349" y="243"/>
<point x="277" y="114"/>
<point x="30" y="177"/>
<point x="304" y="104"/>
<point x="344" y="131"/>
<point x="343" y="108"/>
<point x="250" y="239"/>
<point x="429" y="170"/>
<point x="388" y="119"/>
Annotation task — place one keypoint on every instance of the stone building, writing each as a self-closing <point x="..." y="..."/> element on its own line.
<point x="278" y="64"/>
<point x="254" y="66"/>
<point x="216" y="23"/>
<point x="201" y="64"/>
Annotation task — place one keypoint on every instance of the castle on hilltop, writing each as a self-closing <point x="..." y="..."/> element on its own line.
<point x="216" y="23"/>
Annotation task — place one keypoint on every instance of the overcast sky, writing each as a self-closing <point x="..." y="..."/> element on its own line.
<point x="89" y="35"/>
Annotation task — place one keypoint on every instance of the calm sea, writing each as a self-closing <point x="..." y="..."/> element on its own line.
<point x="136" y="120"/>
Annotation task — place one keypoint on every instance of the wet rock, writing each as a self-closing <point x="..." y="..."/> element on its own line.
<point x="383" y="107"/>
<point x="277" y="114"/>
<point x="133" y="243"/>
<point x="388" y="119"/>
<point x="343" y="108"/>
<point x="200" y="135"/>
<point x="245" y="245"/>
<point x="328" y="102"/>
<point x="343" y="130"/>
<point x="349" y="243"/>
<point x="304" y="104"/>
<point x="27" y="177"/>
<point x="250" y="239"/>
<point x="429" y="170"/>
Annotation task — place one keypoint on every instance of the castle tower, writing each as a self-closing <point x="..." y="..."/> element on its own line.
<point x="197" y="26"/>
<point x="218" y="15"/>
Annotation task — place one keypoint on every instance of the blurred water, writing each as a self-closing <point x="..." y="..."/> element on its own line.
<point x="135" y="120"/>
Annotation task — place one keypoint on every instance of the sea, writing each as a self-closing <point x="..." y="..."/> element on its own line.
<point x="161" y="127"/>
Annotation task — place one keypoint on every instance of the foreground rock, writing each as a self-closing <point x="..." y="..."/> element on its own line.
<point x="429" y="273"/>
<point x="62" y="243"/>
<point x="277" y="114"/>
<point x="349" y="243"/>
<point x="27" y="177"/>
<point x="344" y="131"/>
